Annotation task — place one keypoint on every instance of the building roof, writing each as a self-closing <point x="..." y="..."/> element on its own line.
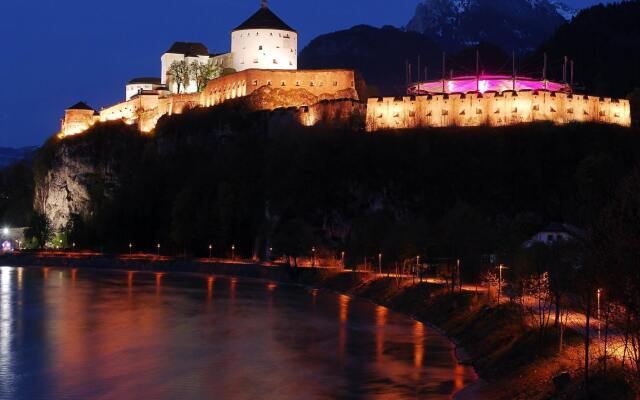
<point x="264" y="18"/>
<point x="564" y="228"/>
<point x="189" y="49"/>
<point x="152" y="81"/>
<point x="81" y="105"/>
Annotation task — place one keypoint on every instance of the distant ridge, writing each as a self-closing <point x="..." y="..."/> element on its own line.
<point x="519" y="25"/>
<point x="10" y="155"/>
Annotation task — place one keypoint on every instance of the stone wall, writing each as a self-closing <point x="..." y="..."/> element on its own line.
<point x="493" y="109"/>
<point x="324" y="84"/>
<point x="77" y="121"/>
<point x="264" y="90"/>
<point x="346" y="113"/>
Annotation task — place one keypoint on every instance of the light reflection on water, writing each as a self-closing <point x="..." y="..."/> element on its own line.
<point x="120" y="335"/>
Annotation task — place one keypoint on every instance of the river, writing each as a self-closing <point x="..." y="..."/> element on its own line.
<point x="85" y="334"/>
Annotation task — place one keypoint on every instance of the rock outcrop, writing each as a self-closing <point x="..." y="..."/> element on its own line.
<point x="73" y="175"/>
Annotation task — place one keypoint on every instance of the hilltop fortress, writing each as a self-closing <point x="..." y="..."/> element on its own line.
<point x="262" y="70"/>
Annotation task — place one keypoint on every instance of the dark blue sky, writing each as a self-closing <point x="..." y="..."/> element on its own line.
<point x="57" y="52"/>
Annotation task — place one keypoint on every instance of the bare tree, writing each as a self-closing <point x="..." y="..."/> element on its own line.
<point x="179" y="73"/>
<point x="203" y="73"/>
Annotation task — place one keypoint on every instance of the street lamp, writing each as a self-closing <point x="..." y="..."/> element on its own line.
<point x="500" y="268"/>
<point x="5" y="231"/>
<point x="158" y="249"/>
<point x="599" y="293"/>
<point x="380" y="263"/>
<point x="233" y="252"/>
<point x="313" y="259"/>
<point x="130" y="248"/>
<point x="210" y="248"/>
<point x="73" y="245"/>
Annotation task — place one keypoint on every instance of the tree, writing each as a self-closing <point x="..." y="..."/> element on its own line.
<point x="294" y="238"/>
<point x="179" y="73"/>
<point x="613" y="256"/>
<point x="203" y="73"/>
<point x="40" y="228"/>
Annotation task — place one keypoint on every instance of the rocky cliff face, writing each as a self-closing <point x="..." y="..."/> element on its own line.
<point x="73" y="175"/>
<point x="63" y="192"/>
<point x="519" y="25"/>
<point x="80" y="175"/>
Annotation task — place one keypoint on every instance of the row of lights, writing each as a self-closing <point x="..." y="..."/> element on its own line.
<point x="158" y="246"/>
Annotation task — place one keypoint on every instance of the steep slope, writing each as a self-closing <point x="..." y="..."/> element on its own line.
<point x="519" y="25"/>
<point x="603" y="41"/>
<point x="380" y="54"/>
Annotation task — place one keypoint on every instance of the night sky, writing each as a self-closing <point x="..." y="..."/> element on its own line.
<point x="57" y="52"/>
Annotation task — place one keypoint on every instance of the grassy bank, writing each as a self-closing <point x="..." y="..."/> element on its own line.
<point x="516" y="360"/>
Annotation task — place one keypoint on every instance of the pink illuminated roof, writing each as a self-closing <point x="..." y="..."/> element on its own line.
<point x="485" y="83"/>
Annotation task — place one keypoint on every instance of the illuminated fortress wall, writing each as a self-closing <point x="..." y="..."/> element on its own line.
<point x="264" y="90"/>
<point x="77" y="121"/>
<point x="492" y="109"/>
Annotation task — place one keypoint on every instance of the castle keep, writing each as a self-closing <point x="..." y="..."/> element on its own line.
<point x="262" y="69"/>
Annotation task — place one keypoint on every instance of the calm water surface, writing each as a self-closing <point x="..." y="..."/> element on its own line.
<point x="79" y="334"/>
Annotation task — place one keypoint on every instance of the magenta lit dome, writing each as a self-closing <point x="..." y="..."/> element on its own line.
<point x="485" y="83"/>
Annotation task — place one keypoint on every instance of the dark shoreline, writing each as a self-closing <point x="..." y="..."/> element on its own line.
<point x="307" y="277"/>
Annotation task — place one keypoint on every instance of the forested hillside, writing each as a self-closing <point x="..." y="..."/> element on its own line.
<point x="218" y="176"/>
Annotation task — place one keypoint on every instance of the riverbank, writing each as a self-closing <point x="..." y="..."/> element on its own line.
<point x="513" y="361"/>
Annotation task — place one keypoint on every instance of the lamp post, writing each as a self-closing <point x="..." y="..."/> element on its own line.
<point x="599" y="293"/>
<point x="342" y="259"/>
<point x="500" y="268"/>
<point x="418" y="267"/>
<point x="380" y="263"/>
<point x="233" y="252"/>
<point x="158" y="249"/>
<point x="210" y="248"/>
<point x="130" y="248"/>
<point x="313" y="256"/>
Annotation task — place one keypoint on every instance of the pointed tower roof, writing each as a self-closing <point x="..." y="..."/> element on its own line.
<point x="81" y="105"/>
<point x="264" y="18"/>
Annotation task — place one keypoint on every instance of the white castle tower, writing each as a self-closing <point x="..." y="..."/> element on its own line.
<point x="264" y="41"/>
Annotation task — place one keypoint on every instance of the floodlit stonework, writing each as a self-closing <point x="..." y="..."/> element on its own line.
<point x="262" y="89"/>
<point x="262" y="70"/>
<point x="493" y="109"/>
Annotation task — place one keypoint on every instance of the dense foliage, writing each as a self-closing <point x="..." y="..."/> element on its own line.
<point x="16" y="194"/>
<point x="225" y="178"/>
<point x="603" y="42"/>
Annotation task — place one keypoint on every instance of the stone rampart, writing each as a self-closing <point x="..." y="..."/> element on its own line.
<point x="493" y="109"/>
<point x="264" y="90"/>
